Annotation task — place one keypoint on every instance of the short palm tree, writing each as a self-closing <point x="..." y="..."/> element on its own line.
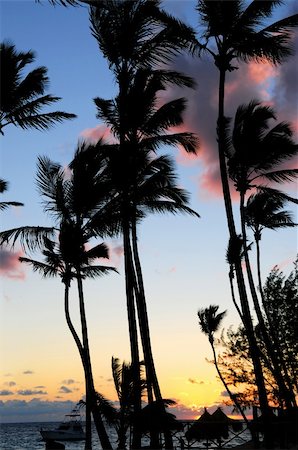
<point x="23" y="96"/>
<point x="209" y="322"/>
<point x="262" y="211"/>
<point x="124" y="384"/>
<point x="232" y="32"/>
<point x="265" y="211"/>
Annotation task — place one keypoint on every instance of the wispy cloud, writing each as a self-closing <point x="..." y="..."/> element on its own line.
<point x="195" y="381"/>
<point x="26" y="392"/>
<point x="10" y="383"/>
<point x="5" y="392"/>
<point x="64" y="390"/>
<point x="69" y="381"/>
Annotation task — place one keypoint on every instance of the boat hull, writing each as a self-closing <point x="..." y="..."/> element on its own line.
<point x="56" y="435"/>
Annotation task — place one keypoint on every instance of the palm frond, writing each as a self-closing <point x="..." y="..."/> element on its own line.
<point x="276" y="194"/>
<point x="99" y="251"/>
<point x="106" y="409"/>
<point x="44" y="269"/>
<point x="96" y="271"/>
<point x="5" y="205"/>
<point x="3" y="186"/>
<point x="117" y="371"/>
<point x="30" y="238"/>
<point x="279" y="176"/>
<point x="209" y="319"/>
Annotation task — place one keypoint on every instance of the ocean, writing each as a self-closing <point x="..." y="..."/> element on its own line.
<point x="21" y="436"/>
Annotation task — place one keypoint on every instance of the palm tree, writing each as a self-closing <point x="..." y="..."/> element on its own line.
<point x="5" y="205"/>
<point x="254" y="151"/>
<point x="237" y="34"/>
<point x="264" y="211"/>
<point x="144" y="182"/>
<point x="124" y="385"/>
<point x="209" y="322"/>
<point x="22" y="96"/>
<point x="69" y="258"/>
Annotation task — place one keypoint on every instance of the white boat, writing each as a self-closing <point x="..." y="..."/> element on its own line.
<point x="69" y="430"/>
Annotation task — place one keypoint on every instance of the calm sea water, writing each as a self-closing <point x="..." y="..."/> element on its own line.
<point x="21" y="436"/>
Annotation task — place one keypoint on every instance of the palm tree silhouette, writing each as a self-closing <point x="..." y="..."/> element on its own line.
<point x="124" y="385"/>
<point x="209" y="322"/>
<point x="254" y="152"/>
<point x="22" y="96"/>
<point x="134" y="35"/>
<point x="264" y="211"/>
<point x="69" y="258"/>
<point x="146" y="184"/>
<point x="237" y="34"/>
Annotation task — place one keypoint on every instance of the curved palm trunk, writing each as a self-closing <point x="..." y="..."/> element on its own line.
<point x="275" y="367"/>
<point x="88" y="441"/>
<point x="255" y="355"/>
<point x="131" y="292"/>
<point x="152" y="379"/>
<point x="232" y="396"/>
<point x="90" y="394"/>
<point x="231" y="277"/>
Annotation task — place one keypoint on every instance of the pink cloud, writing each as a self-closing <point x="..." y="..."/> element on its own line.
<point x="10" y="266"/>
<point x="276" y="86"/>
<point x="93" y="135"/>
<point x="116" y="253"/>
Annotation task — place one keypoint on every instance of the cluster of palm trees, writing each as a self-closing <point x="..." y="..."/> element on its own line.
<point x="109" y="188"/>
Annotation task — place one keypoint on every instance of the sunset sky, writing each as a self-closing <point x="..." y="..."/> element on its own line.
<point x="183" y="257"/>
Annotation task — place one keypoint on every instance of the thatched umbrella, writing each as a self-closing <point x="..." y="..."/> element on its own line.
<point x="203" y="428"/>
<point x="221" y="420"/>
<point x="212" y="426"/>
<point x="154" y="418"/>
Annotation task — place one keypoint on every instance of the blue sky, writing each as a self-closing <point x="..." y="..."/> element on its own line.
<point x="183" y="257"/>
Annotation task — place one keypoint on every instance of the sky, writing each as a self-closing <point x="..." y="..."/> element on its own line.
<point x="183" y="258"/>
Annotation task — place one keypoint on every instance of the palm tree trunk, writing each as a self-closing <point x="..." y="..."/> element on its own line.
<point x="231" y="277"/>
<point x="143" y="321"/>
<point x="90" y="395"/>
<point x="131" y="292"/>
<point x="146" y="341"/>
<point x="232" y="396"/>
<point x="88" y="433"/>
<point x="255" y="355"/>
<point x="275" y="367"/>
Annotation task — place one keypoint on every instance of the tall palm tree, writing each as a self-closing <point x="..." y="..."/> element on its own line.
<point x="146" y="183"/>
<point x="5" y="205"/>
<point x="209" y="322"/>
<point x="254" y="152"/>
<point x="23" y="96"/>
<point x="234" y="32"/>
